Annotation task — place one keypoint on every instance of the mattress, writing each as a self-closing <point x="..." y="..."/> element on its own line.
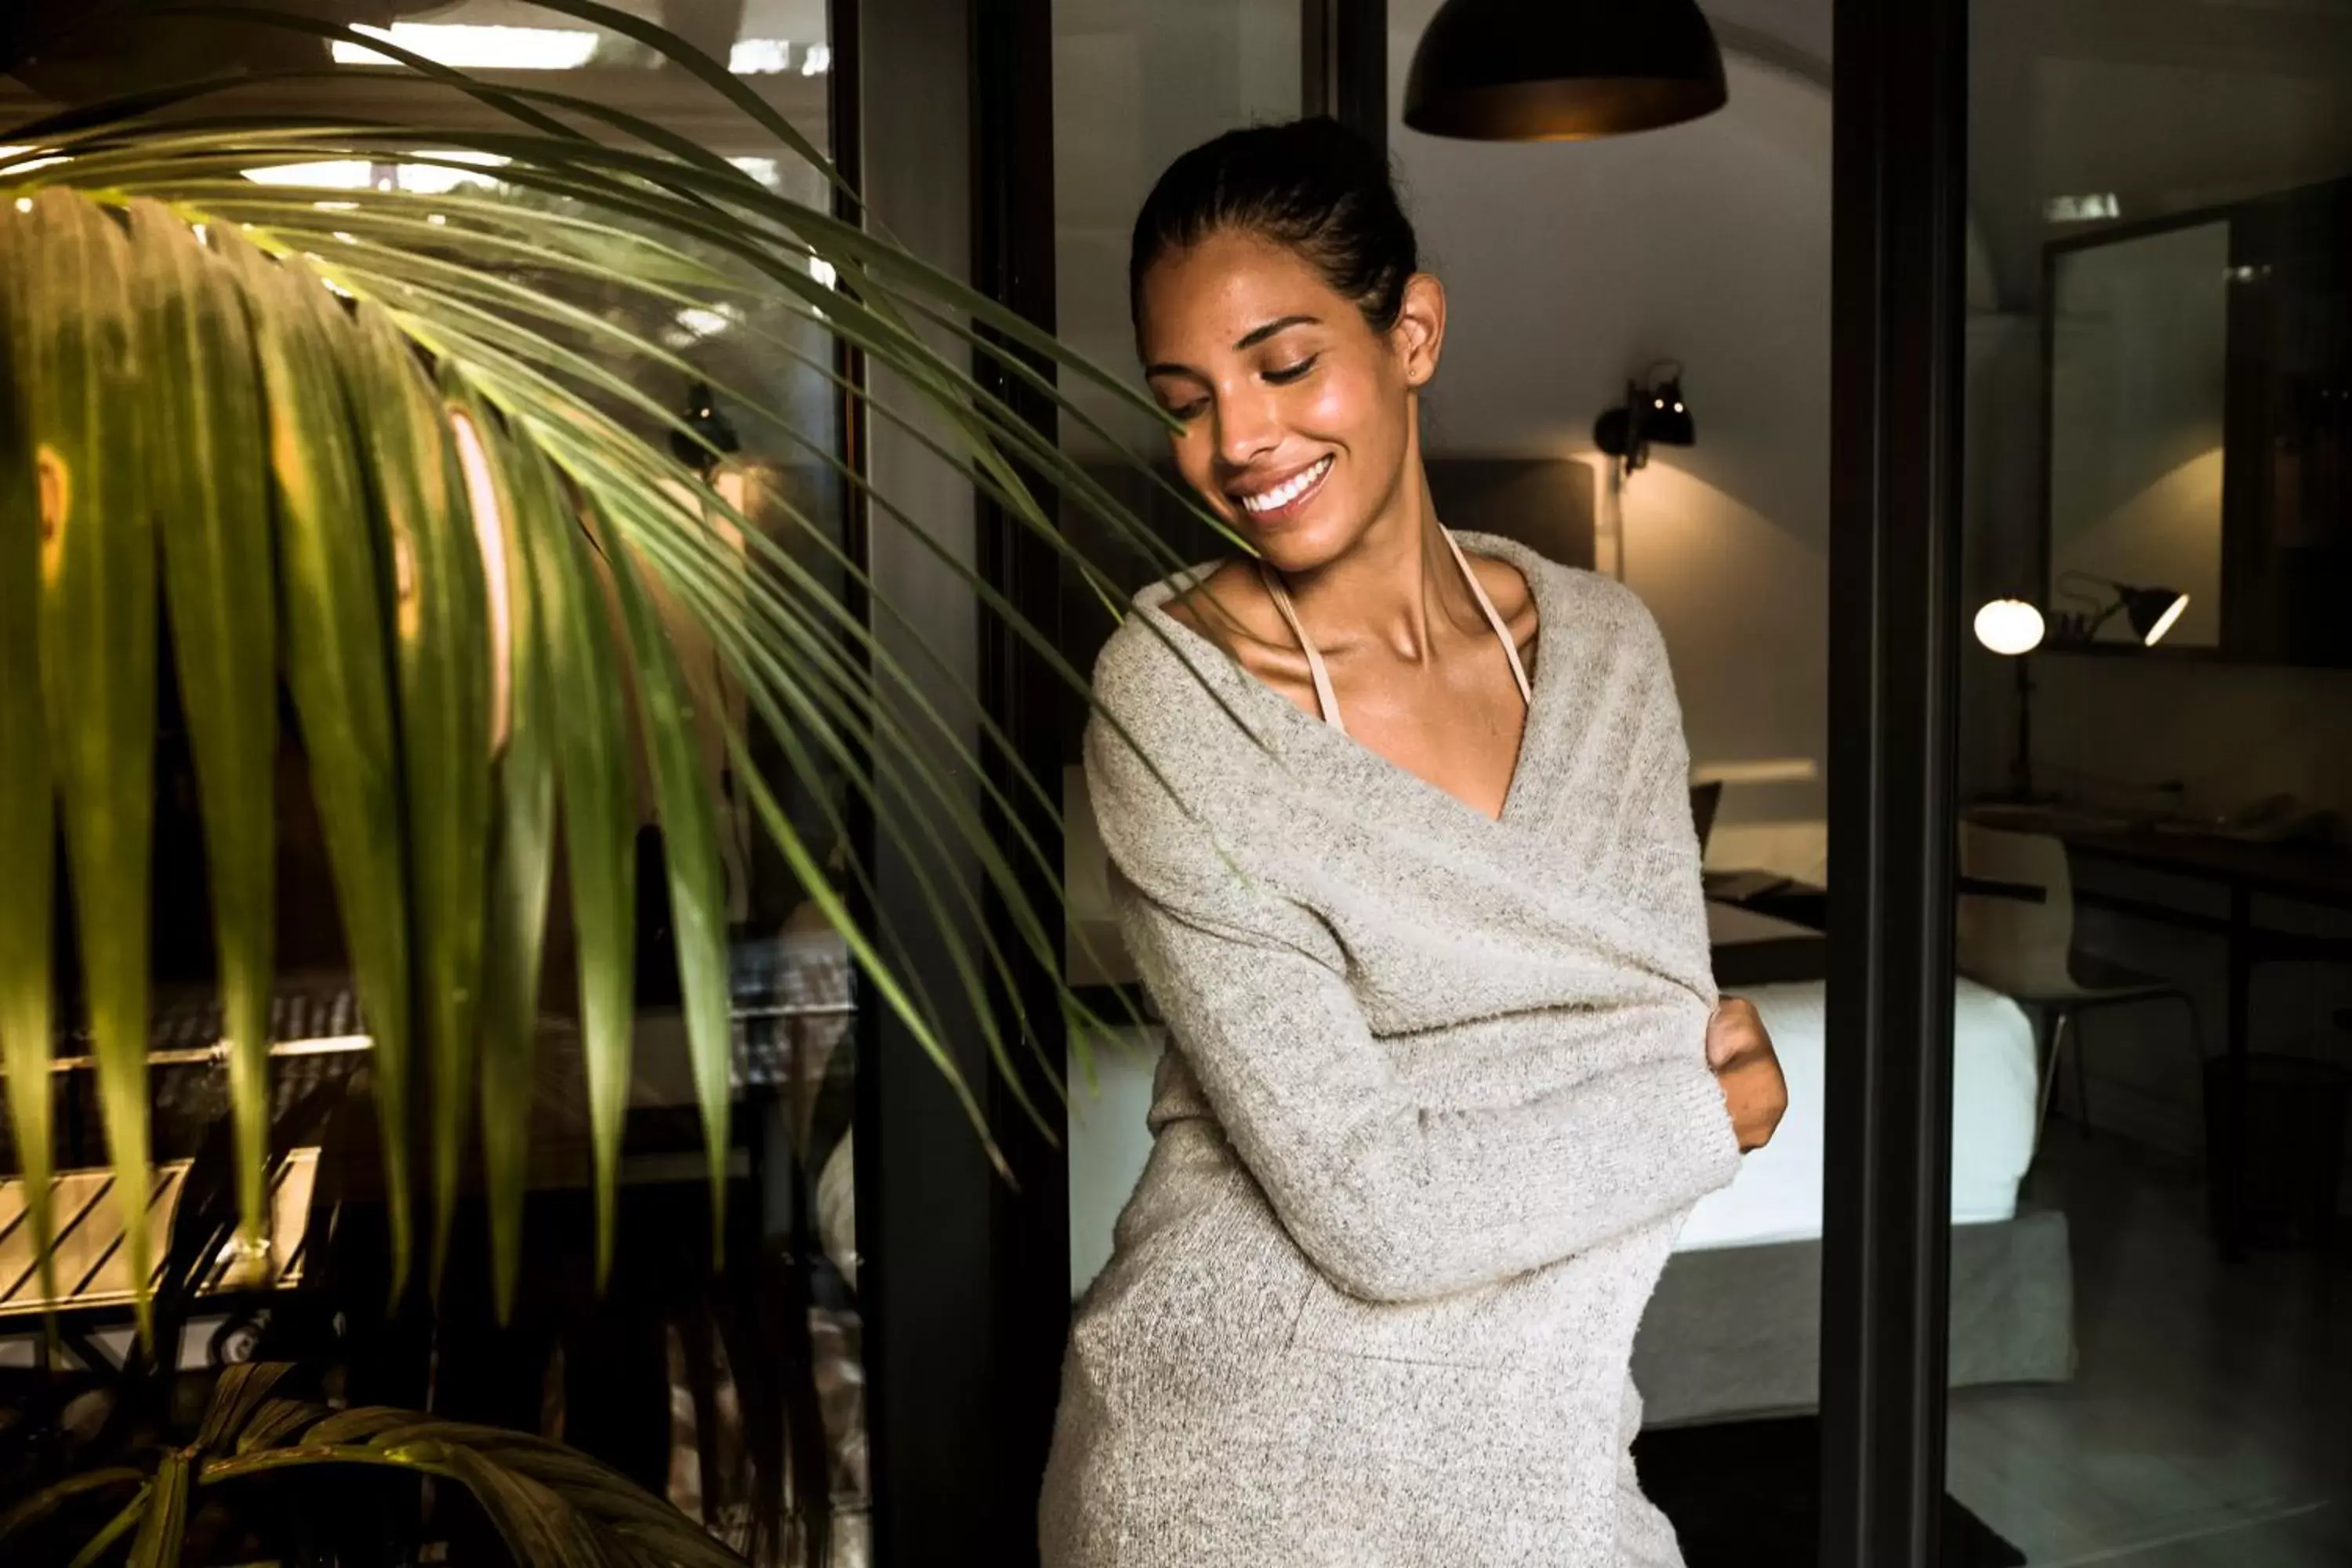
<point x="1777" y="1194"/>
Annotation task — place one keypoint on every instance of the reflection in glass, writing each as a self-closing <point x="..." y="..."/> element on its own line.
<point x="737" y="1397"/>
<point x="2138" y="337"/>
<point x="2159" y="904"/>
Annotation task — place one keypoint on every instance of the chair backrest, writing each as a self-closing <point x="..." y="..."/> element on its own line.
<point x="2015" y="944"/>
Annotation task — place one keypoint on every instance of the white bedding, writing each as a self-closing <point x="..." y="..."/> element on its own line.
<point x="1777" y="1196"/>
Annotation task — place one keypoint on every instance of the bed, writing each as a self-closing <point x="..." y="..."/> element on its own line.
<point x="1734" y="1330"/>
<point x="1735" y="1327"/>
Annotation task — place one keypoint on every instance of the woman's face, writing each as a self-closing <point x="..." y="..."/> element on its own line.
<point x="1298" y="418"/>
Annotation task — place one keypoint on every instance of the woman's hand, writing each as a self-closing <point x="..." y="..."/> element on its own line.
<point x="1740" y="1054"/>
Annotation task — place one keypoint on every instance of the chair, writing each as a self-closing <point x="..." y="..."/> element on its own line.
<point x="2015" y="933"/>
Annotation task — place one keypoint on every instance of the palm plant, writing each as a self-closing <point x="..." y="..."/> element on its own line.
<point x="549" y="1504"/>
<point x="396" y="409"/>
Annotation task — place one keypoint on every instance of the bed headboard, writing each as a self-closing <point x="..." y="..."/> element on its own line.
<point x="1544" y="503"/>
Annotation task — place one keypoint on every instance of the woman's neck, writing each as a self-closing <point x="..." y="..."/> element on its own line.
<point x="1392" y="585"/>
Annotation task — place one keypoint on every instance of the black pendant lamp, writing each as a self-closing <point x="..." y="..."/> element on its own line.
<point x="1562" y="71"/>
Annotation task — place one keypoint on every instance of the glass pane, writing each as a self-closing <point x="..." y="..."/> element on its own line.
<point x="2152" y="1045"/>
<point x="736" y="1396"/>
<point x="1135" y="84"/>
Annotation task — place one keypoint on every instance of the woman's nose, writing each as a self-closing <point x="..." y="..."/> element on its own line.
<point x="1246" y="430"/>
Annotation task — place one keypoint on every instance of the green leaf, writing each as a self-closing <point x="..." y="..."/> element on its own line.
<point x="537" y="1526"/>
<point x="90" y="436"/>
<point x="241" y="1391"/>
<point x="47" y="1501"/>
<point x="337" y="664"/>
<point x="27" y="800"/>
<point x="211" y="496"/>
<point x="358" y="1425"/>
<point x="131" y="1515"/>
<point x="441" y="644"/>
<point x="504" y="482"/>
<point x="697" y="892"/>
<point x="164" y="1524"/>
<point x="584" y="683"/>
<point x="274" y="1421"/>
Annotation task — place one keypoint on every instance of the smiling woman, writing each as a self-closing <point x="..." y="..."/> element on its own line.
<point x="1445" y="1069"/>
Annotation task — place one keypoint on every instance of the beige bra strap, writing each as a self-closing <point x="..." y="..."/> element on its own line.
<point x="1502" y="632"/>
<point x="1325" y="698"/>
<point x="1328" y="700"/>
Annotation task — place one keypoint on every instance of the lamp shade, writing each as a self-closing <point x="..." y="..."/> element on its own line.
<point x="2009" y="627"/>
<point x="1503" y="70"/>
<point x="2152" y="612"/>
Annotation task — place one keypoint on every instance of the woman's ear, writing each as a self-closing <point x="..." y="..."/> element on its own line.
<point x="1419" y="335"/>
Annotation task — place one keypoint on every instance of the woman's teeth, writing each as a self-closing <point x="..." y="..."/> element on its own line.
<point x="1289" y="490"/>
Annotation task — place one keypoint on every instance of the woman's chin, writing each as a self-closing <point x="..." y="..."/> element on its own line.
<point x="1312" y="539"/>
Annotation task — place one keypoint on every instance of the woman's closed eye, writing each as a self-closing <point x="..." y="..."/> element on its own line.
<point x="1282" y="375"/>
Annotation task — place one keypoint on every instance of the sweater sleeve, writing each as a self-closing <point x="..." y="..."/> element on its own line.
<point x="1393" y="1198"/>
<point x="1396" y="1200"/>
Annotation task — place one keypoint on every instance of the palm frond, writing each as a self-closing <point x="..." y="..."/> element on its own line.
<point x="554" y="1507"/>
<point x="424" y="418"/>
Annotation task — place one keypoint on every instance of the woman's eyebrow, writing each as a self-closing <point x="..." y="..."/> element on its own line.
<point x="1248" y="339"/>
<point x="1257" y="335"/>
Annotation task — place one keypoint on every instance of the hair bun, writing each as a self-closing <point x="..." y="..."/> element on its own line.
<point x="1311" y="185"/>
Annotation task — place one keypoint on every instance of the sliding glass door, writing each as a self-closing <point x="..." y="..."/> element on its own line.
<point x="1135" y="84"/>
<point x="2151" y="1035"/>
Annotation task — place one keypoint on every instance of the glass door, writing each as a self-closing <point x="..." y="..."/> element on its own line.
<point x="737" y="1397"/>
<point x="1135" y="84"/>
<point x="2151" y="1047"/>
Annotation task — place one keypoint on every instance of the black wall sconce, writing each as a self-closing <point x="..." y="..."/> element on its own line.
<point x="701" y="415"/>
<point x="1654" y="414"/>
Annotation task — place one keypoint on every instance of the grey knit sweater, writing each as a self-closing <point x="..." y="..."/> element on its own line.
<point x="1434" y="1101"/>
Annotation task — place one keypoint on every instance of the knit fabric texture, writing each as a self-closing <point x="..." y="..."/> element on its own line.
<point x="1433" y="1102"/>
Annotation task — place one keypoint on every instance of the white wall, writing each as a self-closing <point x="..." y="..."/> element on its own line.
<point x="1571" y="267"/>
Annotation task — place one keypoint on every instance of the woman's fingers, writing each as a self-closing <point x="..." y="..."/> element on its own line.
<point x="1734" y="1026"/>
<point x="1739" y="1051"/>
<point x="1757" y="1097"/>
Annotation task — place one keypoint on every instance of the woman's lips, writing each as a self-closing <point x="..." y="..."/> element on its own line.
<point x="1281" y="502"/>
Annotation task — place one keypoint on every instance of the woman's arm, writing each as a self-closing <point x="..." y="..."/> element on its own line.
<point x="1393" y="1199"/>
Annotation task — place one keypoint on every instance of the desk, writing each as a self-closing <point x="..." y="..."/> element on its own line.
<point x="2307" y="873"/>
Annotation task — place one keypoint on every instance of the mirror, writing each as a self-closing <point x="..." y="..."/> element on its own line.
<point x="2138" y="372"/>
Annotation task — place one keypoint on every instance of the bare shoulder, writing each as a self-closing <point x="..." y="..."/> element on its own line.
<point x="1223" y="607"/>
<point x="1232" y="608"/>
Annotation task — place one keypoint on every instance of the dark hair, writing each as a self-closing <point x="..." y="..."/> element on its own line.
<point x="1312" y="186"/>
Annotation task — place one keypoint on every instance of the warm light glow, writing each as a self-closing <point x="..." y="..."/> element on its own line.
<point x="2091" y="208"/>
<point x="359" y="174"/>
<point x="702" y="324"/>
<point x="2009" y="627"/>
<point x="759" y="57"/>
<point x="341" y="174"/>
<point x="1757" y="771"/>
<point x="476" y="47"/>
<point x="2163" y="621"/>
<point x="433" y="180"/>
